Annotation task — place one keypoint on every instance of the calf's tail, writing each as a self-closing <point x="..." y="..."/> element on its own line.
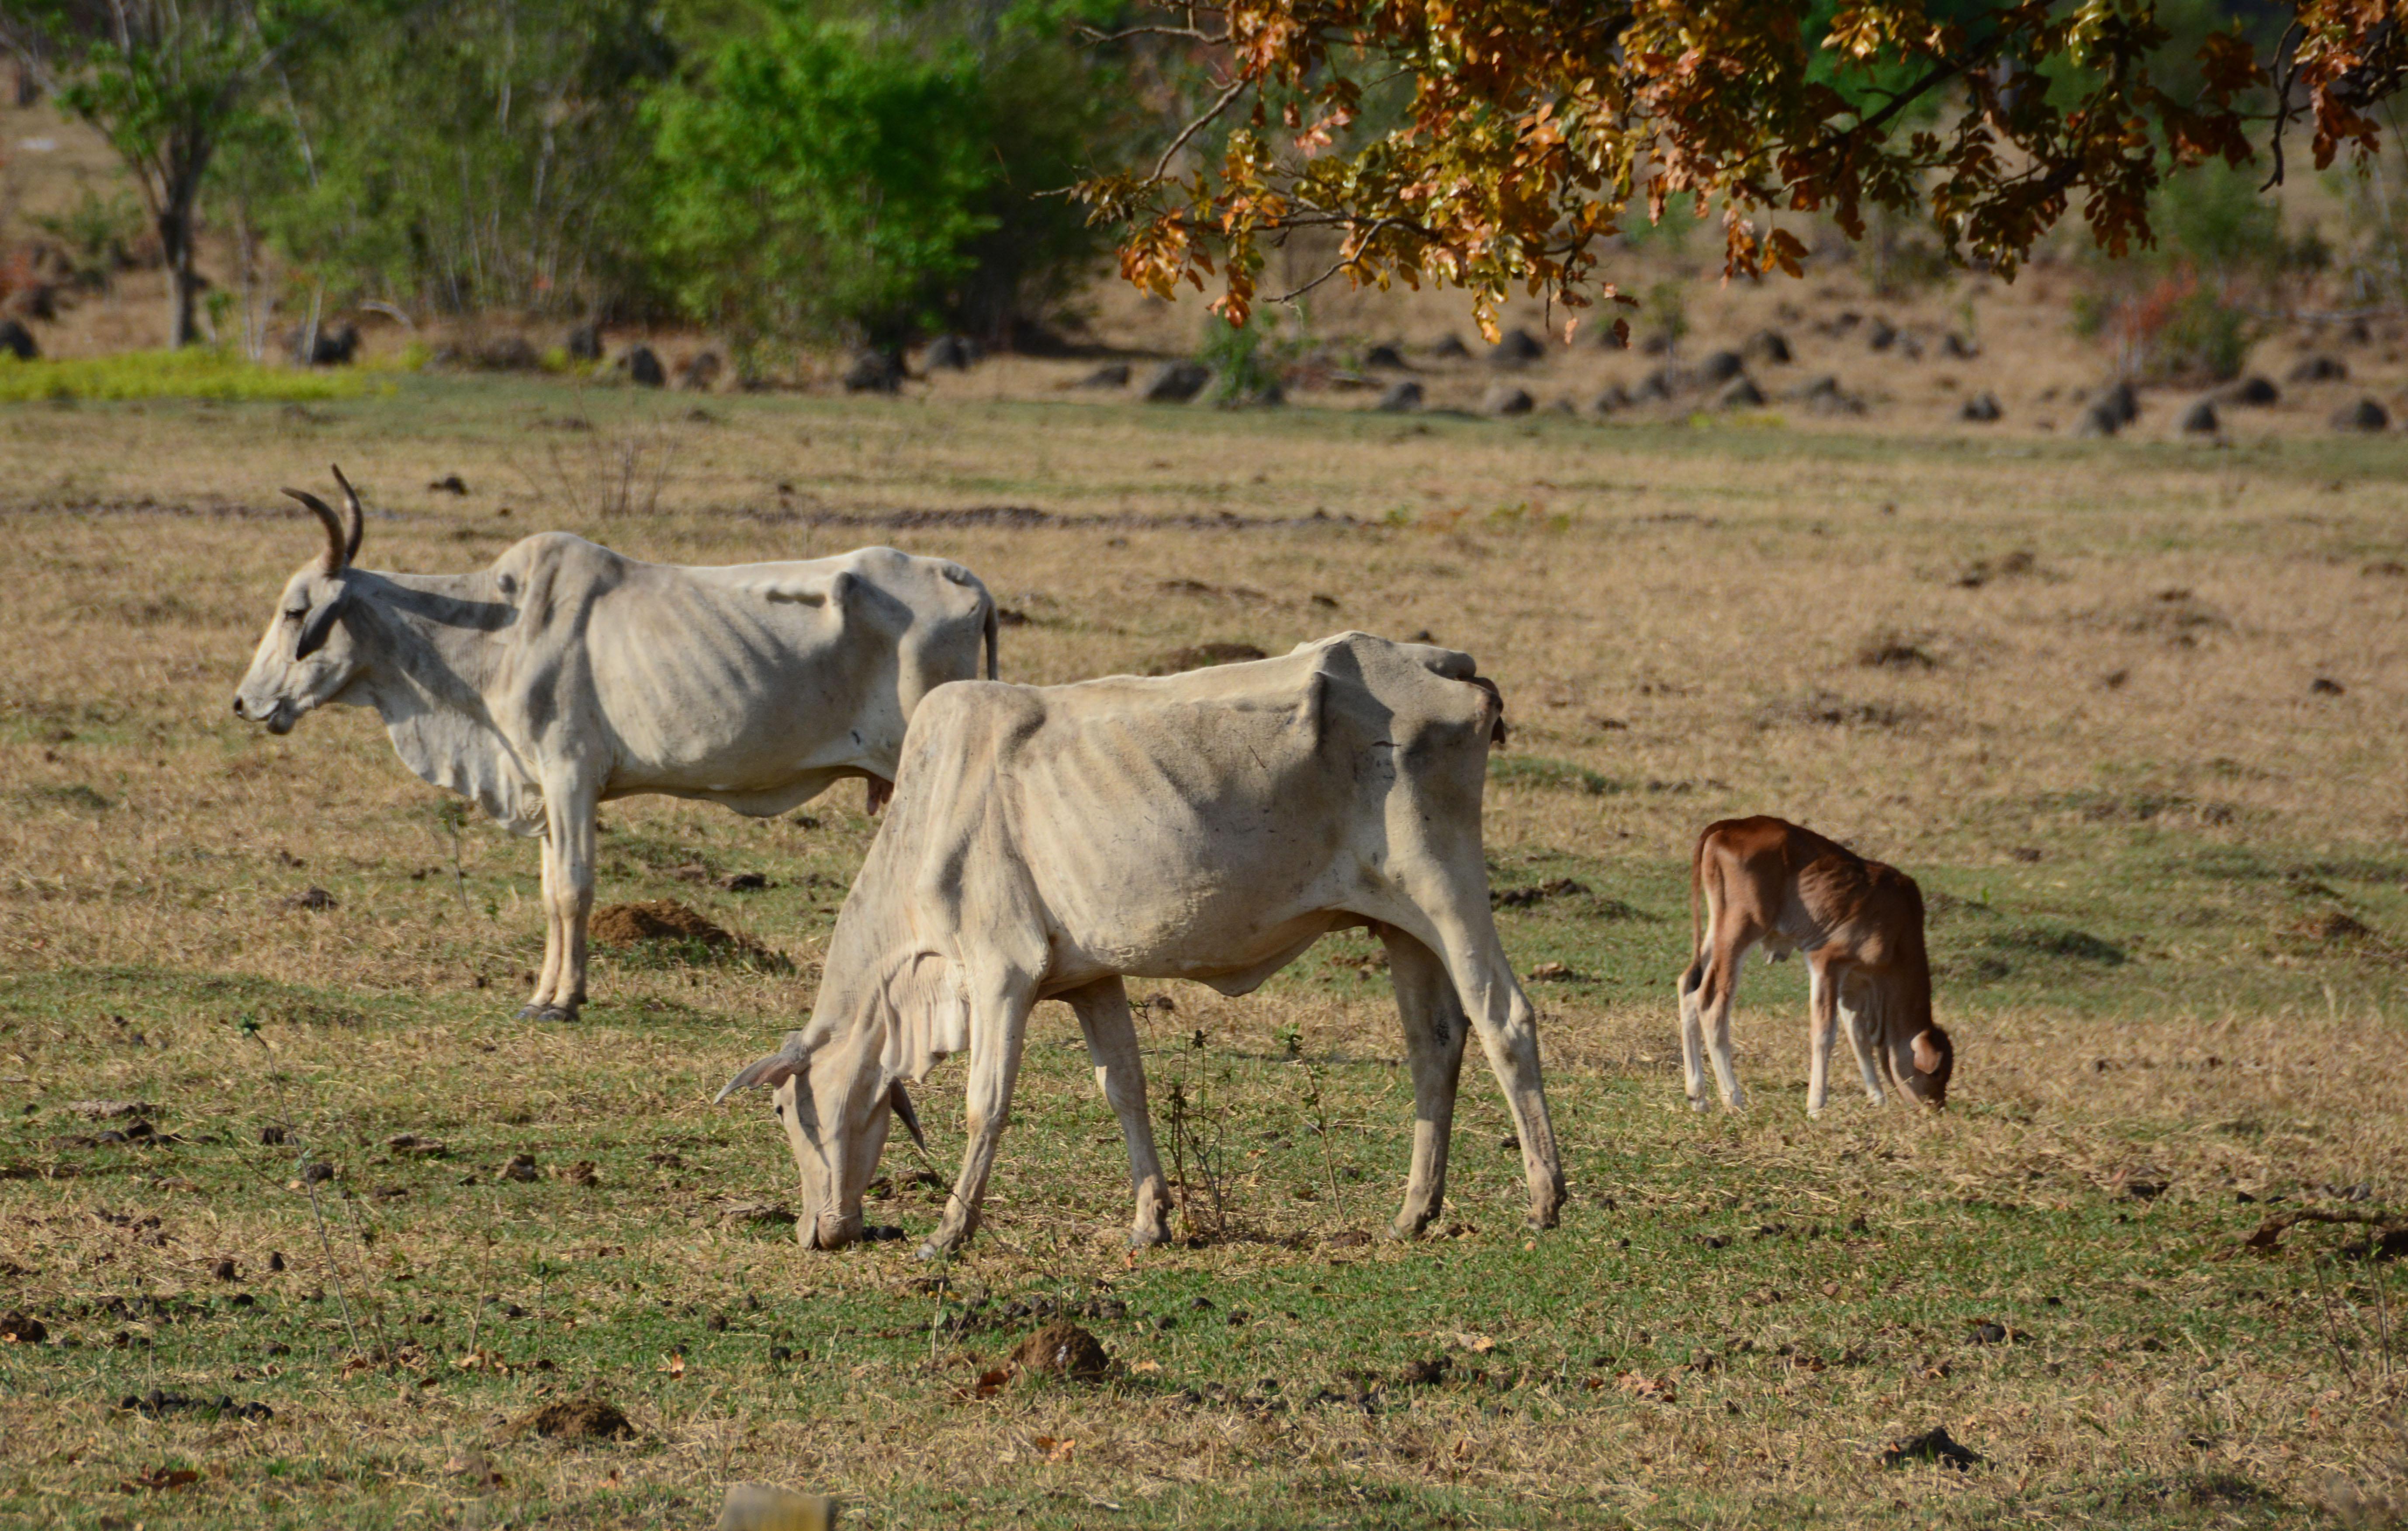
<point x="1697" y="919"/>
<point x="990" y="626"/>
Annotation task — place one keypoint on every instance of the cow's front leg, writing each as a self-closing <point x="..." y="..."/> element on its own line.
<point x="998" y="1027"/>
<point x="569" y="804"/>
<point x="1435" y="1027"/>
<point x="1103" y="1011"/>
<point x="554" y="946"/>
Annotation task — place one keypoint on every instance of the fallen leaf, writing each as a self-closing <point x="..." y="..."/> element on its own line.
<point x="1056" y="1450"/>
<point x="673" y="1363"/>
<point x="1648" y="1389"/>
<point x="1477" y="1344"/>
<point x="1147" y="1366"/>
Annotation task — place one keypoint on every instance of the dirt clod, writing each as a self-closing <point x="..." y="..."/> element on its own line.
<point x="522" y="1168"/>
<point x="1062" y="1350"/>
<point x="21" y="1329"/>
<point x="671" y="923"/>
<point x="1427" y="1373"/>
<point x="582" y="1418"/>
<point x="654" y="919"/>
<point x="1933" y="1445"/>
<point x="106" y="1110"/>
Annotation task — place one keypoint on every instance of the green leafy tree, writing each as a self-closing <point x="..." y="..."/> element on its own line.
<point x="1533" y="128"/>
<point x="820" y="182"/>
<point x="493" y="160"/>
<point x="167" y="81"/>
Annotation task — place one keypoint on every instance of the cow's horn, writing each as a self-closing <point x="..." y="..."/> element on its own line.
<point x="355" y="518"/>
<point x="338" y="554"/>
<point x="773" y="1070"/>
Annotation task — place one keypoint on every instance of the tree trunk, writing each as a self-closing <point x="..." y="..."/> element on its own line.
<point x="176" y="244"/>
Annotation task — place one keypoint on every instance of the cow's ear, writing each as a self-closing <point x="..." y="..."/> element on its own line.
<point x="902" y="1104"/>
<point x="319" y="625"/>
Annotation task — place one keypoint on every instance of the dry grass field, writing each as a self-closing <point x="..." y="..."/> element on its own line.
<point x="2135" y="713"/>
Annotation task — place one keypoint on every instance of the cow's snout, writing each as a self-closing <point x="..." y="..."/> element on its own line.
<point x="237" y="704"/>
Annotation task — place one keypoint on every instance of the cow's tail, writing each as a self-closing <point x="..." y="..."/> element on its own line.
<point x="992" y="626"/>
<point x="1497" y="726"/>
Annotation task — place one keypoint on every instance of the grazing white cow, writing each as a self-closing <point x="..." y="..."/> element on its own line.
<point x="1046" y="842"/>
<point x="565" y="675"/>
<point x="1860" y="923"/>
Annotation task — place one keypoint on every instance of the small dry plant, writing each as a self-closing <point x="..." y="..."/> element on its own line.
<point x="603" y="474"/>
<point x="1200" y="1172"/>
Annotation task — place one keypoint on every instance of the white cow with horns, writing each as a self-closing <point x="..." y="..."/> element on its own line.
<point x="565" y="675"/>
<point x="1046" y="842"/>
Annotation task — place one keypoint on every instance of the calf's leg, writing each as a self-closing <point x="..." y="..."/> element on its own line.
<point x="1822" y="1020"/>
<point x="1103" y="1011"/>
<point x="1857" y="1012"/>
<point x="1693" y="1037"/>
<point x="1718" y="991"/>
<point x="998" y="1029"/>
<point x="1435" y="1027"/>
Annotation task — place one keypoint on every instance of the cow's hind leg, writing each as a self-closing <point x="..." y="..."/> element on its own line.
<point x="1435" y="1027"/>
<point x="999" y="1028"/>
<point x="1485" y="984"/>
<point x="1103" y="1011"/>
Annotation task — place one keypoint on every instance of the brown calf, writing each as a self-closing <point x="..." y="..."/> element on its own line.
<point x="1859" y="922"/>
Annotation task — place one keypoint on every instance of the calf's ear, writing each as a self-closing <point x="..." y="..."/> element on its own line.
<point x="1927" y="1046"/>
<point x="902" y="1104"/>
<point x="319" y="625"/>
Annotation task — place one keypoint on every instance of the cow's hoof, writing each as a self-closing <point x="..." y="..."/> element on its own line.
<point x="1699" y="1104"/>
<point x="530" y="1010"/>
<point x="555" y="1012"/>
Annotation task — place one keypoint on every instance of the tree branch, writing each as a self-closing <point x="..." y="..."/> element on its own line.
<point x="1237" y="88"/>
<point x="2285" y="77"/>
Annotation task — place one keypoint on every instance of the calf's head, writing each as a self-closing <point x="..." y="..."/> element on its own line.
<point x="1924" y="1064"/>
<point x="306" y="657"/>
<point x="833" y="1100"/>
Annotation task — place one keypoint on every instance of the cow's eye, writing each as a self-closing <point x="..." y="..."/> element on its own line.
<point x="297" y="613"/>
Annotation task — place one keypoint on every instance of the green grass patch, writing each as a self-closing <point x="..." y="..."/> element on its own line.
<point x="194" y="373"/>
